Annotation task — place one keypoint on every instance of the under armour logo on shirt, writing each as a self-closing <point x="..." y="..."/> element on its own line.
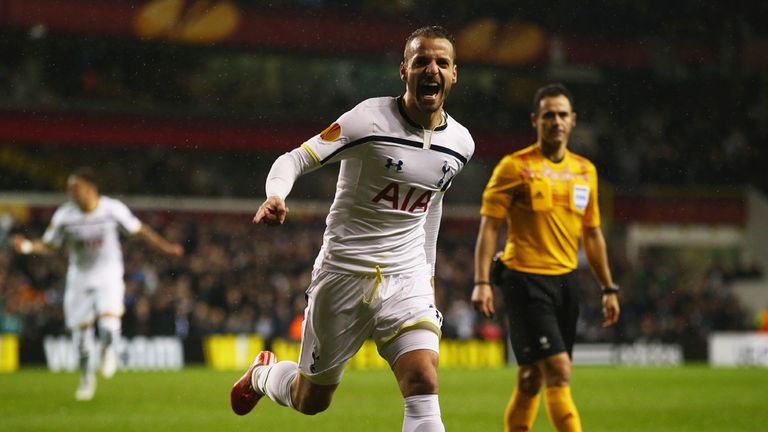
<point x="398" y="166"/>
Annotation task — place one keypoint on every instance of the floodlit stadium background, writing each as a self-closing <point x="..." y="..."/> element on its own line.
<point x="181" y="106"/>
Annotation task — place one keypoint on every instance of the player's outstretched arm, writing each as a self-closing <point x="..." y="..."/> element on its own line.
<point x="272" y="212"/>
<point x="158" y="242"/>
<point x="26" y="246"/>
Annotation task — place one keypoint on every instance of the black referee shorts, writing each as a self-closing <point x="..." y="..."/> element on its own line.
<point x="542" y="313"/>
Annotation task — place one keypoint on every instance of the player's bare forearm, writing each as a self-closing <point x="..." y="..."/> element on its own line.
<point x="485" y="248"/>
<point x="158" y="242"/>
<point x="271" y="212"/>
<point x="597" y="256"/>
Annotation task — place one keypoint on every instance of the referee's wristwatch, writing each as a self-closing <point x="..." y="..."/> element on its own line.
<point x="613" y="289"/>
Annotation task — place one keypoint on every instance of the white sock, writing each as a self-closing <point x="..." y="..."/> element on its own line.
<point x="109" y="331"/>
<point x="422" y="414"/>
<point x="84" y="345"/>
<point x="275" y="381"/>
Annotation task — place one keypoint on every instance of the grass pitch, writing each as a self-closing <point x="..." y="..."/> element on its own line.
<point x="692" y="398"/>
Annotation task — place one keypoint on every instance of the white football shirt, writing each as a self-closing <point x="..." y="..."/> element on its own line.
<point x="92" y="239"/>
<point x="388" y="200"/>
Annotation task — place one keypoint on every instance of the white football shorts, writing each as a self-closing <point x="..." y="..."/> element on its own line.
<point x="344" y="310"/>
<point x="84" y="302"/>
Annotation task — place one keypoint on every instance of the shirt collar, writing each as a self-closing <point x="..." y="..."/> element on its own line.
<point x="401" y="108"/>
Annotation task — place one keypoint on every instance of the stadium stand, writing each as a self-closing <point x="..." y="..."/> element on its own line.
<point x="673" y="110"/>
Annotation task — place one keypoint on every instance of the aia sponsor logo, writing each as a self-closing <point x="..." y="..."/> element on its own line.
<point x="412" y="200"/>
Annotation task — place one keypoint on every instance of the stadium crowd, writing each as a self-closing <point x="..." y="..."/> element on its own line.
<point x="670" y="124"/>
<point x="239" y="278"/>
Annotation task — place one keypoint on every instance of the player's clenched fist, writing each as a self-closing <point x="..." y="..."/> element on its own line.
<point x="272" y="212"/>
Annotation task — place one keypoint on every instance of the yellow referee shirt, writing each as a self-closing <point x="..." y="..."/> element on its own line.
<point x="546" y="204"/>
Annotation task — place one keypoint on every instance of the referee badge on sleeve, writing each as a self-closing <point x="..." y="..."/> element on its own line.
<point x="580" y="196"/>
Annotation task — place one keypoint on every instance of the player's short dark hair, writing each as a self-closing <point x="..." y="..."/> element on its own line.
<point x="432" y="32"/>
<point x="86" y="173"/>
<point x="552" y="90"/>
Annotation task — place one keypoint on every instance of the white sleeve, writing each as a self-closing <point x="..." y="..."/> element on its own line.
<point x="127" y="221"/>
<point x="431" y="229"/>
<point x="54" y="235"/>
<point x="330" y="145"/>
<point x="286" y="169"/>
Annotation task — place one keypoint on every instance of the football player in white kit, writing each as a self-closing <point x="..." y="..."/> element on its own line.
<point x="89" y="227"/>
<point x="373" y="277"/>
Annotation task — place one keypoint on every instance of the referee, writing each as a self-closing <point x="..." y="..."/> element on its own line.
<point x="547" y="196"/>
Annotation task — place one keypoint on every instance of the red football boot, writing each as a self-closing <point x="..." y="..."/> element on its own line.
<point x="243" y="397"/>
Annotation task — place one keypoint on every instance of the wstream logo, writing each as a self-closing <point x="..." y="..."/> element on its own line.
<point x="140" y="353"/>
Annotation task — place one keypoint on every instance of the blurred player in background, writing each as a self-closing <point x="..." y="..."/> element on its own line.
<point x="547" y="196"/>
<point x="88" y="226"/>
<point x="373" y="277"/>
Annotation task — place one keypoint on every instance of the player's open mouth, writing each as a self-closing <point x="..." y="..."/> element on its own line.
<point x="429" y="90"/>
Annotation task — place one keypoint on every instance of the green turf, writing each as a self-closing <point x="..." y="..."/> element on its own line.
<point x="694" y="398"/>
